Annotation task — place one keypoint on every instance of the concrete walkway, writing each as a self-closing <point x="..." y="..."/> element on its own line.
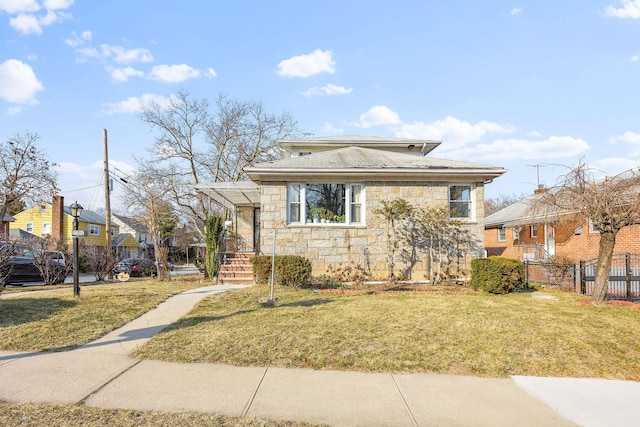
<point x="102" y="374"/>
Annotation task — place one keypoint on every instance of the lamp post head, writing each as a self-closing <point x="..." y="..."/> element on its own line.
<point x="76" y="209"/>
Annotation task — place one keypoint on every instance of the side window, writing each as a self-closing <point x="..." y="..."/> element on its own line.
<point x="460" y="201"/>
<point x="29" y="227"/>
<point x="94" y="230"/>
<point x="502" y="234"/>
<point x="534" y="230"/>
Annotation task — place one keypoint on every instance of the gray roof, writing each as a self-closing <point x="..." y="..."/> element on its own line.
<point x="523" y="213"/>
<point x="359" y="160"/>
<point x="87" y="216"/>
<point x="423" y="146"/>
<point x="134" y="223"/>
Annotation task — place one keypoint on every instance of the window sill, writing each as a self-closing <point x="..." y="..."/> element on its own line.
<point x="324" y="225"/>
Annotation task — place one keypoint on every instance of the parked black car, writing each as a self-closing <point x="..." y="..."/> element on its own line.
<point x="136" y="267"/>
<point x="21" y="267"/>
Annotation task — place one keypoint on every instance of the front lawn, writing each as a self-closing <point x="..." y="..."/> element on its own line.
<point x="483" y="335"/>
<point x="37" y="415"/>
<point x="52" y="319"/>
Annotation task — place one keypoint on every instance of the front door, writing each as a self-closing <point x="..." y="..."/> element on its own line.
<point x="256" y="230"/>
<point x="549" y="239"/>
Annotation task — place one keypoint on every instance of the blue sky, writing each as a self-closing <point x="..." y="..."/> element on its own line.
<point x="505" y="83"/>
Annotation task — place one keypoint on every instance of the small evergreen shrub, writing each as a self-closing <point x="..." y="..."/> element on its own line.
<point x="291" y="270"/>
<point x="497" y="275"/>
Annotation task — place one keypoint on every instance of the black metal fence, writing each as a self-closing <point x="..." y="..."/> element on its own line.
<point x="624" y="277"/>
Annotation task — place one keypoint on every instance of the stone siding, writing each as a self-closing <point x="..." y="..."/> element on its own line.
<point x="330" y="246"/>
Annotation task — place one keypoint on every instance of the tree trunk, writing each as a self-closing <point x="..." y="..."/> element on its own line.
<point x="601" y="285"/>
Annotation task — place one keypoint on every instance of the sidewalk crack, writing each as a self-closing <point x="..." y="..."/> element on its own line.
<point x="245" y="411"/>
<point x="404" y="401"/>
<point x="112" y="379"/>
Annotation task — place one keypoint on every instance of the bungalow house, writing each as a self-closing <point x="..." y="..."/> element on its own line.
<point x="54" y="220"/>
<point x="518" y="232"/>
<point x="319" y="200"/>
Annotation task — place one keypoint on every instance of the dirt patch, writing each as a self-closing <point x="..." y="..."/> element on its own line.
<point x="389" y="288"/>
<point x="611" y="303"/>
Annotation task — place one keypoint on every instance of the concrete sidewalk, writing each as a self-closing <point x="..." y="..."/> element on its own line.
<point x="102" y="374"/>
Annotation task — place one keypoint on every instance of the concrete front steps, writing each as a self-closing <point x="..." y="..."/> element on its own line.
<point x="236" y="269"/>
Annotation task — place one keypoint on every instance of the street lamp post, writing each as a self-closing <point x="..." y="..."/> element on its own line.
<point x="76" y="210"/>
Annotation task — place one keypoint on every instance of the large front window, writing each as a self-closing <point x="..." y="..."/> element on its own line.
<point x="326" y="203"/>
<point x="460" y="201"/>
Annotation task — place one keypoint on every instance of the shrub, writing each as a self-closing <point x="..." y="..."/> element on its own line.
<point x="497" y="275"/>
<point x="291" y="270"/>
<point x="324" y="281"/>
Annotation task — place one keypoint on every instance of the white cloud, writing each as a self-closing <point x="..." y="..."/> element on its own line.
<point x="629" y="9"/>
<point x="123" y="74"/>
<point x="614" y="165"/>
<point x="455" y="132"/>
<point x="318" y="61"/>
<point x="173" y="73"/>
<point x="211" y="73"/>
<point x="13" y="111"/>
<point x="377" y="116"/>
<point x="135" y="105"/>
<point x="77" y="40"/>
<point x="330" y="129"/>
<point x="509" y="149"/>
<point x="635" y="58"/>
<point x="631" y="138"/>
<point x="26" y="24"/>
<point x="57" y="4"/>
<point x="16" y="6"/>
<point x="117" y="54"/>
<point x="28" y="21"/>
<point x="515" y="11"/>
<point x="628" y="137"/>
<point x="18" y="82"/>
<point x="329" y="89"/>
<point x="120" y="55"/>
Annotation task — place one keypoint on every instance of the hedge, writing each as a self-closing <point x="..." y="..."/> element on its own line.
<point x="497" y="275"/>
<point x="291" y="270"/>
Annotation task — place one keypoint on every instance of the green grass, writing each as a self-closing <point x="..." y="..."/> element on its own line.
<point x="54" y="320"/>
<point x="37" y="415"/>
<point x="480" y="335"/>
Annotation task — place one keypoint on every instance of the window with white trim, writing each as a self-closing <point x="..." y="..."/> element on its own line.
<point x="325" y="203"/>
<point x="502" y="234"/>
<point x="516" y="233"/>
<point x="29" y="227"/>
<point x="46" y="228"/>
<point x="461" y="201"/>
<point x="534" y="230"/>
<point x="93" y="230"/>
<point x="592" y="229"/>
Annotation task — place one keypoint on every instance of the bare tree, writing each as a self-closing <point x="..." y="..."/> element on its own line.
<point x="149" y="199"/>
<point x="610" y="204"/>
<point x="26" y="174"/>
<point x="500" y="202"/>
<point x="195" y="144"/>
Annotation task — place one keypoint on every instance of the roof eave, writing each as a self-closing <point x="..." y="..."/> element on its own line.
<point x="258" y="174"/>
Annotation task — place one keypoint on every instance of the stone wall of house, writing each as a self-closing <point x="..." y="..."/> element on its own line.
<point x="335" y="246"/>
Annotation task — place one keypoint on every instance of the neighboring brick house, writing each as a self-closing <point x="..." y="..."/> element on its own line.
<point x="515" y="232"/>
<point x="320" y="199"/>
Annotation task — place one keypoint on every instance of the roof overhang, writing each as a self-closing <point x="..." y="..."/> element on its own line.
<point x="258" y="174"/>
<point x="231" y="194"/>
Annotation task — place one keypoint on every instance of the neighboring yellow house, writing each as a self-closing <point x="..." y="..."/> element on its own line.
<point x="55" y="221"/>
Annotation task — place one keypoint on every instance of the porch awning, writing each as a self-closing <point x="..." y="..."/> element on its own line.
<point x="233" y="193"/>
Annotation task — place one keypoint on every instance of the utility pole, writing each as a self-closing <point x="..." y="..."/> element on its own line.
<point x="107" y="203"/>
